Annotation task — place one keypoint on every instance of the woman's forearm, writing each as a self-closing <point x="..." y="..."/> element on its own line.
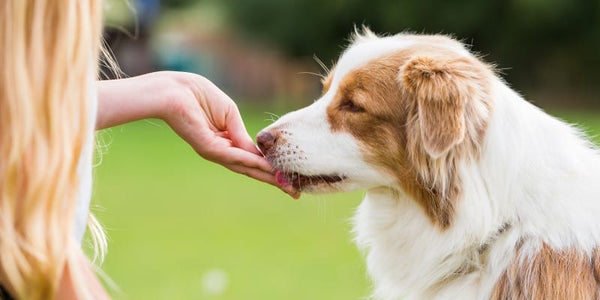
<point x="131" y="99"/>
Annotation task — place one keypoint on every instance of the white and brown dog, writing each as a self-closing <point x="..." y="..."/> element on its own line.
<point x="473" y="193"/>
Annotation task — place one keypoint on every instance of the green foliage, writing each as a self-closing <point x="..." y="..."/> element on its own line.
<point x="552" y="44"/>
<point x="177" y="3"/>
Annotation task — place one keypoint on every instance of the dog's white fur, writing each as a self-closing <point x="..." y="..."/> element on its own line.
<point x="535" y="172"/>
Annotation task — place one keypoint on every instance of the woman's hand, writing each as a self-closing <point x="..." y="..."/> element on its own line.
<point x="198" y="111"/>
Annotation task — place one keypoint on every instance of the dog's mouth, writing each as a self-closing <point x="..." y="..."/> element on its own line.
<point x="299" y="181"/>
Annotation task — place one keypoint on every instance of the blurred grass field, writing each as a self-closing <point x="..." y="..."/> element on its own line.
<point x="180" y="227"/>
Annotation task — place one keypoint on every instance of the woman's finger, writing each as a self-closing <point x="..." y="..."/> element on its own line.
<point x="264" y="177"/>
<point x="240" y="157"/>
<point x="238" y="133"/>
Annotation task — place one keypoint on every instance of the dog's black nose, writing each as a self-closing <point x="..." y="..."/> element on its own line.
<point x="265" y="141"/>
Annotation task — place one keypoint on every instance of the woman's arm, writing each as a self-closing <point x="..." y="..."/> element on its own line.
<point x="198" y="111"/>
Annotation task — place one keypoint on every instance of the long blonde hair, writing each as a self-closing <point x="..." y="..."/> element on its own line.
<point x="48" y="51"/>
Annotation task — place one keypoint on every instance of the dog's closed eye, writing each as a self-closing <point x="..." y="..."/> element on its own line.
<point x="350" y="106"/>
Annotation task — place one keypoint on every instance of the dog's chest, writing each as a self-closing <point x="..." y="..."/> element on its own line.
<point x="406" y="255"/>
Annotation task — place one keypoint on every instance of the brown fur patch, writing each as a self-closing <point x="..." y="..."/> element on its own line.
<point x="413" y="100"/>
<point x="440" y="103"/>
<point x="551" y="274"/>
<point x="596" y="263"/>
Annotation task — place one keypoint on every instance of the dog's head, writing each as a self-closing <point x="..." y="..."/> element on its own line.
<point x="399" y="111"/>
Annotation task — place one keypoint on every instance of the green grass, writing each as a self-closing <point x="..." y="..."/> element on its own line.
<point x="172" y="218"/>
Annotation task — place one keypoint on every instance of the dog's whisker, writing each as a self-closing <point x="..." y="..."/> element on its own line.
<point x="273" y="117"/>
<point x="320" y="62"/>
<point x="321" y="76"/>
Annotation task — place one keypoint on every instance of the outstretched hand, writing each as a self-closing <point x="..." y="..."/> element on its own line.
<point x="210" y="122"/>
<point x="197" y="110"/>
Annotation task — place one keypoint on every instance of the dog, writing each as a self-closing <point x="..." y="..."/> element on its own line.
<point x="472" y="192"/>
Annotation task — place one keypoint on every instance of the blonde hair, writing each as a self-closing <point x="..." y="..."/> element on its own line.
<point x="48" y="51"/>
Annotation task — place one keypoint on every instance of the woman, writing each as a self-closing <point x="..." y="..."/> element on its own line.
<point x="50" y="104"/>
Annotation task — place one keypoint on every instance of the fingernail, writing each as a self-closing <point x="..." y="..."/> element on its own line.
<point x="259" y="151"/>
<point x="295" y="195"/>
<point x="291" y="191"/>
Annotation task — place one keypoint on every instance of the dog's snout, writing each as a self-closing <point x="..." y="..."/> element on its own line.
<point x="265" y="141"/>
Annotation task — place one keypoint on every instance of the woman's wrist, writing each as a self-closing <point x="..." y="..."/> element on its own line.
<point x="179" y="94"/>
<point x="147" y="96"/>
<point x="166" y="89"/>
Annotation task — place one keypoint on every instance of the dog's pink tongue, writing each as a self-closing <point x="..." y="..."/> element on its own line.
<point x="281" y="179"/>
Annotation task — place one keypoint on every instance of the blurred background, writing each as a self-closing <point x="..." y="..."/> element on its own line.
<point x="182" y="228"/>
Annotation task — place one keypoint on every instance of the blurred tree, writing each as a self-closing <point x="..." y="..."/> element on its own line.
<point x="549" y="43"/>
<point x="177" y="3"/>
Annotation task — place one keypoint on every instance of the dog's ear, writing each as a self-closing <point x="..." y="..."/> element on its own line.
<point x="440" y="87"/>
